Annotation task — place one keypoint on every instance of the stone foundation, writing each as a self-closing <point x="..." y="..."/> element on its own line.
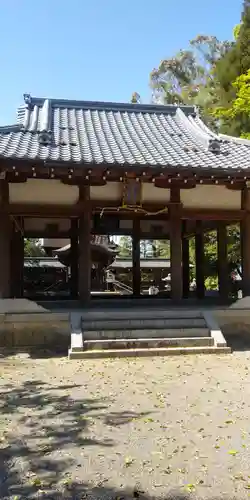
<point x="39" y="328"/>
<point x="234" y="321"/>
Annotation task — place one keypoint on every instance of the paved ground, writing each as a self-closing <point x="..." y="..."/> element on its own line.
<point x="115" y="429"/>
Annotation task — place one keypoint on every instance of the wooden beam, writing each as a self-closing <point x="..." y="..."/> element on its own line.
<point x="60" y="168"/>
<point x="136" y="258"/>
<point x="114" y="207"/>
<point x="185" y="262"/>
<point x="199" y="260"/>
<point x="223" y="271"/>
<point x="62" y="235"/>
<point x="39" y="210"/>
<point x="84" y="255"/>
<point x="245" y="241"/>
<point x="78" y="182"/>
<point x="4" y="194"/>
<point x="213" y="214"/>
<point x="235" y="186"/>
<point x="175" y="195"/>
<point x="176" y="249"/>
<point x="17" y="258"/>
<point x="165" y="183"/>
<point x="74" y="258"/>
<point x="5" y="238"/>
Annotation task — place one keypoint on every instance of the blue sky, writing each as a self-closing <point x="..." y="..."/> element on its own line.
<point x="97" y="49"/>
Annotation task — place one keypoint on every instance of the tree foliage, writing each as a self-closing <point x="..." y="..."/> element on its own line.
<point x="125" y="247"/>
<point x="148" y="248"/>
<point x="33" y="248"/>
<point x="228" y="71"/>
<point x="135" y="98"/>
<point x="239" y="110"/>
<point x="213" y="75"/>
<point x="188" y="77"/>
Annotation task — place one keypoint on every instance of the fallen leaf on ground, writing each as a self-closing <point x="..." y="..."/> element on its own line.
<point x="190" y="487"/>
<point x="128" y="461"/>
<point x="233" y="452"/>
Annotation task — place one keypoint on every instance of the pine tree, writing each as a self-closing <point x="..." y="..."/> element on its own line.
<point x="228" y="69"/>
<point x="244" y="38"/>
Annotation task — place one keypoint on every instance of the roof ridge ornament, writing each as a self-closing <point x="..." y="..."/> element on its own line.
<point x="45" y="133"/>
<point x="28" y="100"/>
<point x="197" y="111"/>
<point x="45" y="116"/>
<point x="214" y="145"/>
<point x="45" y="137"/>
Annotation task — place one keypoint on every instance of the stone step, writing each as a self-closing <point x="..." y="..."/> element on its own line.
<point x="147" y="333"/>
<point x="147" y="343"/>
<point x="142" y="313"/>
<point x="142" y="324"/>
<point x="153" y="351"/>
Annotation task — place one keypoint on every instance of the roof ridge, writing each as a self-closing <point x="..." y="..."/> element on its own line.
<point x="70" y="132"/>
<point x="111" y="106"/>
<point x="14" y="127"/>
<point x="200" y="134"/>
<point x="231" y="138"/>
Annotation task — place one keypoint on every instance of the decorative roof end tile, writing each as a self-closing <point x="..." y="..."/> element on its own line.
<point x="214" y="146"/>
<point x="28" y="100"/>
<point x="45" y="137"/>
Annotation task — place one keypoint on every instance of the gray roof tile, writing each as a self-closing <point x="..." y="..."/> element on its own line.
<point x="80" y="132"/>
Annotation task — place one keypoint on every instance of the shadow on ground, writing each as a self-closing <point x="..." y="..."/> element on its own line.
<point x="35" y="353"/>
<point x="41" y="422"/>
<point x="238" y="343"/>
<point x="83" y="491"/>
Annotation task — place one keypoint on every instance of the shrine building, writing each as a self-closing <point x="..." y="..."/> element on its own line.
<point x="75" y="169"/>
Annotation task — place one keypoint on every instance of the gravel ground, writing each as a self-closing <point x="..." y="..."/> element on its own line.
<point x="111" y="429"/>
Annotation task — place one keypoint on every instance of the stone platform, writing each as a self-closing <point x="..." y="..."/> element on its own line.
<point x="24" y="324"/>
<point x="145" y="331"/>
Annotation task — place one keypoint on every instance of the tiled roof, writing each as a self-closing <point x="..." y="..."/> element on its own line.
<point x="144" y="263"/>
<point x="95" y="133"/>
<point x="102" y="242"/>
<point x="42" y="262"/>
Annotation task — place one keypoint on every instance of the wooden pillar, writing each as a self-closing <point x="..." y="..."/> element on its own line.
<point x="199" y="260"/>
<point x="223" y="276"/>
<point x="74" y="258"/>
<point x="185" y="262"/>
<point x="17" y="257"/>
<point x="84" y="255"/>
<point x="136" y="257"/>
<point x="5" y="234"/>
<point x="245" y="239"/>
<point x="175" y="231"/>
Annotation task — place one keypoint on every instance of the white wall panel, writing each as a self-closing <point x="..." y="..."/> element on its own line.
<point x="46" y="191"/>
<point x="211" y="197"/>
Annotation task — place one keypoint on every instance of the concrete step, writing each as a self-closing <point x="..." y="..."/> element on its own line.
<point x="142" y="313"/>
<point x="153" y="351"/>
<point x="147" y="333"/>
<point x="142" y="324"/>
<point x="147" y="343"/>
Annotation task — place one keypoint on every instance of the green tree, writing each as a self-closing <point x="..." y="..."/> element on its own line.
<point x="135" y="98"/>
<point x="236" y="31"/>
<point x="228" y="69"/>
<point x="210" y="252"/>
<point x="188" y="77"/>
<point x="33" y="248"/>
<point x="163" y="248"/>
<point x="125" y="246"/>
<point x="239" y="110"/>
